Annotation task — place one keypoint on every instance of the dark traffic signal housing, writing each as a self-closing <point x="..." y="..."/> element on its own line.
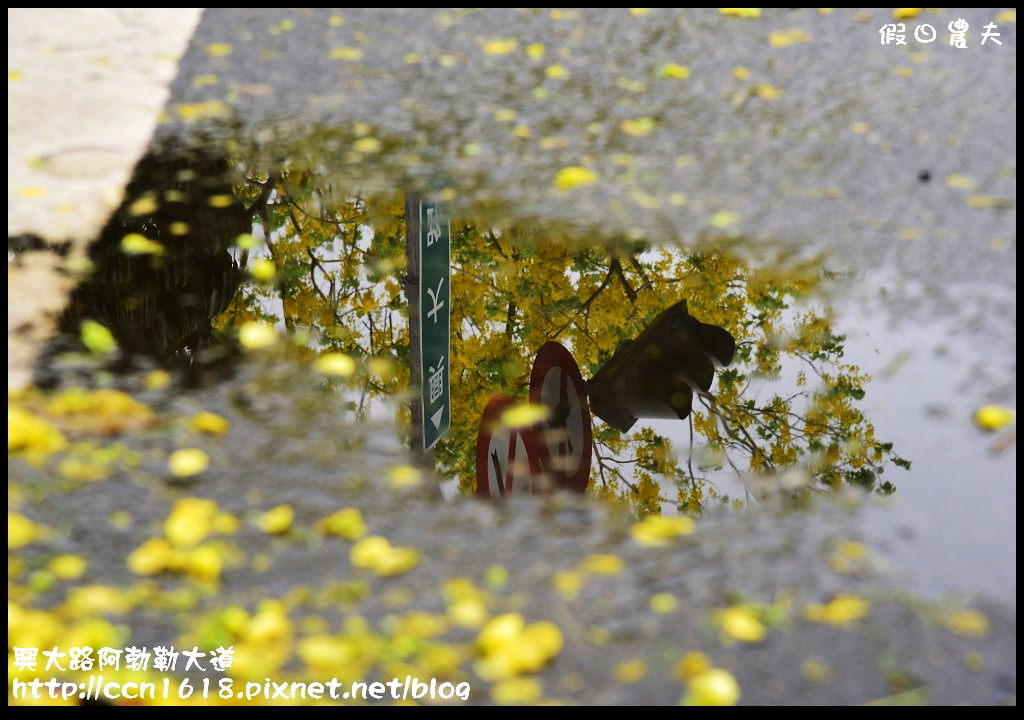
<point x="655" y="375"/>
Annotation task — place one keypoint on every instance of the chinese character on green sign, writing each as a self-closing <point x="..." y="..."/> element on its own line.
<point x="435" y="317"/>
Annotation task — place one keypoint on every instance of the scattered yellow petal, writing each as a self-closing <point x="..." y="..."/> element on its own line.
<point x="377" y="554"/>
<point x="556" y="72"/>
<point x="677" y="198"/>
<point x="447" y="60"/>
<point x="505" y="115"/>
<point x="367" y="145"/>
<point x="842" y="610"/>
<point x="262" y="269"/>
<point x="190" y="521"/>
<point x="336" y="20"/>
<point x="524" y="415"/>
<point x="496" y="576"/>
<point x="346" y="523"/>
<point x="224" y="524"/>
<point x="715" y="687"/>
<point x="469" y="612"/>
<point x="960" y="182"/>
<point x="674" y="71"/>
<point x="602" y="564"/>
<point x="630" y="671"/>
<point x="67" y="567"/>
<point x="767" y="91"/>
<point x="574" y="177"/>
<point x="724" y="219"/>
<point x="137" y="244"/>
<point x="220" y="201"/>
<point x="971" y="623"/>
<point x="785" y="38"/>
<point x="741" y="73"/>
<point x="97" y="338"/>
<point x="816" y="670"/>
<point x="350" y="54"/>
<point x="741" y="623"/>
<point x="191" y="112"/>
<point x="521" y="131"/>
<point x="658" y="529"/>
<point x="568" y="583"/>
<point x="219" y="49"/>
<point x="277" y="520"/>
<point x="14" y="75"/>
<point x="403" y="476"/>
<point x="981" y="201"/>
<point x="501" y="46"/>
<point x="663" y="603"/>
<point x="1006" y="16"/>
<point x="187" y="462"/>
<point x="741" y="12"/>
<point x="335" y="363"/>
<point x="20" y="531"/>
<point x="145" y="205"/>
<point x="859" y="127"/>
<point x="535" y="51"/>
<point x="204" y="562"/>
<point x="255" y="335"/>
<point x="905" y="13"/>
<point x="212" y="423"/>
<point x="637" y="127"/>
<point x="691" y="664"/>
<point x="32" y="435"/>
<point x="903" y="71"/>
<point x="517" y="691"/>
<point x="153" y="556"/>
<point x="994" y="417"/>
<point x="205" y="79"/>
<point x="31" y="191"/>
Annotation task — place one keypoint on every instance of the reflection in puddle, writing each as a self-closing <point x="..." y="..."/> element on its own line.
<point x="330" y="267"/>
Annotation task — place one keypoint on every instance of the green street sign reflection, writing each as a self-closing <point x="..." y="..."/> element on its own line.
<point x="435" y="321"/>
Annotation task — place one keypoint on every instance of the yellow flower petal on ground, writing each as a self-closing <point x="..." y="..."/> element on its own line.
<point x="349" y="54"/>
<point x="741" y="12"/>
<point x="346" y="523"/>
<point x="255" y="335"/>
<point x="602" y="564"/>
<point x="535" y="51"/>
<point x="505" y="115"/>
<point x="500" y="631"/>
<point x="663" y="603"/>
<point x="524" y="415"/>
<point x="741" y="73"/>
<point x="691" y="664"/>
<point x="724" y="219"/>
<point x="277" y="520"/>
<point x="336" y="364"/>
<point x="377" y="554"/>
<point x="637" y="127"/>
<point x="26" y="432"/>
<point x="157" y="380"/>
<point x="204" y="562"/>
<point x="971" y="623"/>
<point x="674" y="71"/>
<point x="574" y="177"/>
<point x="841" y="610"/>
<point x="960" y="182"/>
<point x="639" y="12"/>
<point x="95" y="600"/>
<point x="368" y="145"/>
<point x="905" y="13"/>
<point x="67" y="567"/>
<point x="516" y="691"/>
<point x="187" y="462"/>
<point x="219" y="49"/>
<point x="403" y="476"/>
<point x="224" y="524"/>
<point x="20" y="531"/>
<point x="262" y="270"/>
<point x="767" y="91"/>
<point x="658" y="529"/>
<point x="556" y="72"/>
<point x="145" y="205"/>
<point x="568" y="583"/>
<point x="994" y="417"/>
<point x="630" y="671"/>
<point x="97" y="338"/>
<point x="501" y="46"/>
<point x="741" y="623"/>
<point x="468" y="612"/>
<point x="715" y="687"/>
<point x="212" y="423"/>
<point x="980" y="201"/>
<point x="151" y="557"/>
<point x="190" y="521"/>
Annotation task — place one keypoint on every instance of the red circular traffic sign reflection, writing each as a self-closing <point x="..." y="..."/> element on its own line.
<point x="564" y="441"/>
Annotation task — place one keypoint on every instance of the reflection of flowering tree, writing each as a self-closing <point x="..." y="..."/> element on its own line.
<point x="339" y="264"/>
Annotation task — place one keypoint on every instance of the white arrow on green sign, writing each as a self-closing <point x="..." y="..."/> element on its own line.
<point x="435" y="321"/>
